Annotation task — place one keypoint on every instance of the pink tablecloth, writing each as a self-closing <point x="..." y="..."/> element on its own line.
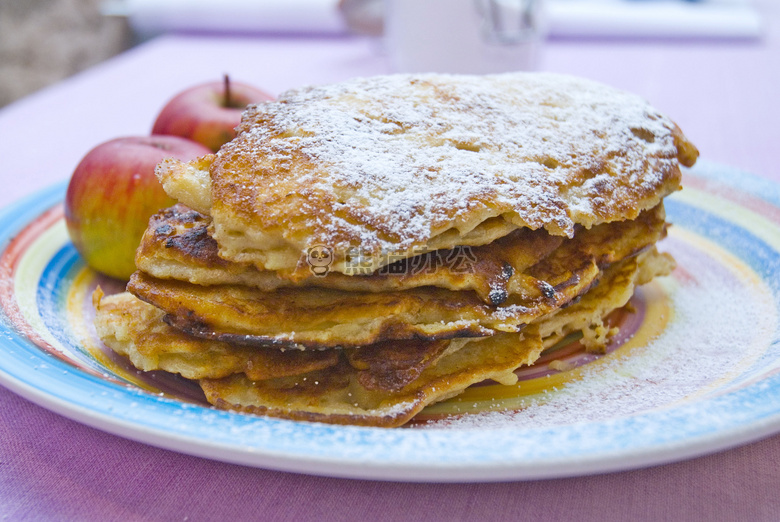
<point x="723" y="94"/>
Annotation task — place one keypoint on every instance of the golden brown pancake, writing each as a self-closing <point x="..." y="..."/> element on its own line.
<point x="136" y="329"/>
<point x="176" y="245"/>
<point x="378" y="385"/>
<point x="404" y="164"/>
<point x="314" y="317"/>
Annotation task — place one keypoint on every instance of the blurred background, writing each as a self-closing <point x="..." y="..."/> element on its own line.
<point x="43" y="41"/>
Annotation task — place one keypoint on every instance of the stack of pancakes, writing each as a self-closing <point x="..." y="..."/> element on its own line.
<point x="363" y="249"/>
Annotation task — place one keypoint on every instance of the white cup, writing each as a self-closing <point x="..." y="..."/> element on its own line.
<point x="463" y="36"/>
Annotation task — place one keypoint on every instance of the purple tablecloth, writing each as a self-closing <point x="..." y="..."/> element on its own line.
<point x="724" y="96"/>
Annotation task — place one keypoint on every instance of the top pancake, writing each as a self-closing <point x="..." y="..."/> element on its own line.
<point x="407" y="164"/>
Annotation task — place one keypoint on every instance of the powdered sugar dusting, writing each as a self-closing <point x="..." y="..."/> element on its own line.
<point x="434" y="152"/>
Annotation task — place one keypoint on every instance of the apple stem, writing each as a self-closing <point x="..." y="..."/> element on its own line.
<point x="227" y="91"/>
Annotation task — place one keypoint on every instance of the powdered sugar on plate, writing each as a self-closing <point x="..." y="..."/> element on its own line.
<point x="723" y="320"/>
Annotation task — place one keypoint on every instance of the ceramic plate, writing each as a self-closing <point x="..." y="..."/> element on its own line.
<point x="693" y="369"/>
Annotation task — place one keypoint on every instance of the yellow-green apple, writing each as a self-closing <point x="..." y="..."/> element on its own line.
<point x="112" y="194"/>
<point x="208" y="113"/>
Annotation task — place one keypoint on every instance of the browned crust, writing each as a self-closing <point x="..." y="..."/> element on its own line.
<point x="401" y="405"/>
<point x="177" y="245"/>
<point x="128" y="324"/>
<point x="391" y="366"/>
<point x="181" y="233"/>
<point x="294" y="317"/>
<point x="390" y="331"/>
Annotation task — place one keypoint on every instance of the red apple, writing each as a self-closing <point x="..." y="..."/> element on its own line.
<point x="112" y="194"/>
<point x="208" y="113"/>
